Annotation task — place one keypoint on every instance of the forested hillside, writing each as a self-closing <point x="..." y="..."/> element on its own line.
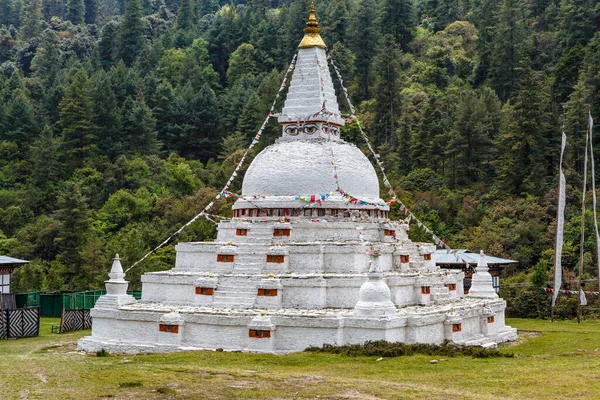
<point x="121" y="119"/>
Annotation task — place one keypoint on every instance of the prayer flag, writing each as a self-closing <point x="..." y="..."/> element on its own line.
<point x="560" y="223"/>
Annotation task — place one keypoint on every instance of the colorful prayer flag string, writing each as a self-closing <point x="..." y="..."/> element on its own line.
<point x="377" y="158"/>
<point x="233" y="175"/>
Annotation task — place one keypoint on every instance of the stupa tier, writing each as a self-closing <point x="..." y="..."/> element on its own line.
<point x="309" y="257"/>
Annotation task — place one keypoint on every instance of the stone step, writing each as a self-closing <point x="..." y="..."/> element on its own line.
<point x="239" y="288"/>
<point x="232" y="304"/>
<point x="234" y="299"/>
<point x="229" y="293"/>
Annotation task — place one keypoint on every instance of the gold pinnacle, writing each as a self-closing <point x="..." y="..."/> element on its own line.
<point x="312" y="33"/>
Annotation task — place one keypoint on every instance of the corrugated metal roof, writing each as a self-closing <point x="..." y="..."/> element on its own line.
<point x="462" y="256"/>
<point x="10" y="260"/>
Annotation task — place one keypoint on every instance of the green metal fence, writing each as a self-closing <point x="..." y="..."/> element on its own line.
<point x="52" y="304"/>
<point x="87" y="300"/>
<point x="29" y="299"/>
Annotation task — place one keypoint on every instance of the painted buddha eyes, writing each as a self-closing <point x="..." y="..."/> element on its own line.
<point x="292" y="130"/>
<point x="309" y="129"/>
<point x="330" y="130"/>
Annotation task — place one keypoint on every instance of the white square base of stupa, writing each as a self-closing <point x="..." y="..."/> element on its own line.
<point x="134" y="328"/>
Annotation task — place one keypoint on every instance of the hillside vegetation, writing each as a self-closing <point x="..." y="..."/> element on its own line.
<point x="120" y="120"/>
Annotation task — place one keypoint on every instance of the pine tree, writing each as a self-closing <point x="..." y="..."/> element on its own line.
<point x="74" y="215"/>
<point x="396" y="18"/>
<point x="108" y="44"/>
<point x="364" y="40"/>
<point x="508" y="48"/>
<point x="577" y="21"/>
<point x="75" y="11"/>
<point x="185" y="16"/>
<point x="132" y="38"/>
<point x="335" y="22"/>
<point x="523" y="143"/>
<point x="19" y="124"/>
<point x="76" y="119"/>
<point x="32" y="20"/>
<point x="43" y="159"/>
<point x="387" y="88"/>
<point x="107" y="118"/>
<point x="46" y="63"/>
<point x="91" y="11"/>
<point x="140" y="126"/>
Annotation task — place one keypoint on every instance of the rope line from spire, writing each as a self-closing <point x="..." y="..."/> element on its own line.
<point x="210" y="205"/>
<point x="377" y="158"/>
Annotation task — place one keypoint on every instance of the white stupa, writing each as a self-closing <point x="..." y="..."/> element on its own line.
<point x="309" y="257"/>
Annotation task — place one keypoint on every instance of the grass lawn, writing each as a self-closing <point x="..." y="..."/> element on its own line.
<point x="561" y="362"/>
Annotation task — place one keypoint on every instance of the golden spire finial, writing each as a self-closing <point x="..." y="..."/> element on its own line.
<point x="312" y="32"/>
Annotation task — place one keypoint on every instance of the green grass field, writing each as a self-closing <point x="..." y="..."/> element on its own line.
<point x="552" y="361"/>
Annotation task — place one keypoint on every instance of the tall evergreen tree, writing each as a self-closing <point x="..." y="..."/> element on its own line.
<point x="19" y="124"/>
<point x="74" y="215"/>
<point x="46" y="63"/>
<point x="32" y="20"/>
<point x="509" y="47"/>
<point x="91" y="11"/>
<point x="108" y="44"/>
<point x="387" y="88"/>
<point x="577" y="21"/>
<point x="132" y="38"/>
<point x="140" y="127"/>
<point x="364" y="40"/>
<point x="523" y="143"/>
<point x="107" y="118"/>
<point x="185" y="16"/>
<point x="75" y="11"/>
<point x="76" y="119"/>
<point x="396" y="18"/>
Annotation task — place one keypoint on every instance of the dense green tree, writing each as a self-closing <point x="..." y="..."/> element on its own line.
<point x="108" y="45"/>
<point x="74" y="216"/>
<point x="508" y="48"/>
<point x="223" y="38"/>
<point x="131" y="36"/>
<point x="46" y="63"/>
<point x="19" y="125"/>
<point x="44" y="163"/>
<point x="76" y="119"/>
<point x="565" y="75"/>
<point x="185" y="16"/>
<point x="524" y="137"/>
<point x="107" y="118"/>
<point x="242" y="61"/>
<point x="32" y="20"/>
<point x="386" y="66"/>
<point x="364" y="40"/>
<point x="397" y="19"/>
<point x="472" y="137"/>
<point x="335" y="23"/>
<point x="75" y="11"/>
<point x="91" y="11"/>
<point x="577" y="21"/>
<point x="140" y="127"/>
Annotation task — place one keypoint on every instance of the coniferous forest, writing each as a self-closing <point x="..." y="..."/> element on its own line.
<point x="121" y="119"/>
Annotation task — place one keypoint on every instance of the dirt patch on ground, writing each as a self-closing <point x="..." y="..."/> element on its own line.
<point x="522" y="337"/>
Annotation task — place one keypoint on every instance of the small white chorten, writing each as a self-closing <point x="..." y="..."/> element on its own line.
<point x="481" y="281"/>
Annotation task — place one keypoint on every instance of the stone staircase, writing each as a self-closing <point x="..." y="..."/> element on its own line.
<point x="235" y="292"/>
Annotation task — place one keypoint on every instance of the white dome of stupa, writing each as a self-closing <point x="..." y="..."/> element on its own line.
<point x="305" y="168"/>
